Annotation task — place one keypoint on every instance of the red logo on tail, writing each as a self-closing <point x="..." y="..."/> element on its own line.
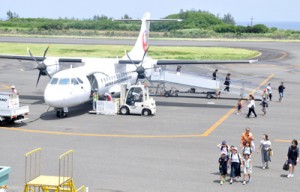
<point x="145" y="40"/>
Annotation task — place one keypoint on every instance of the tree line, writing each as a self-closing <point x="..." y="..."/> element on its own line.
<point x="192" y="19"/>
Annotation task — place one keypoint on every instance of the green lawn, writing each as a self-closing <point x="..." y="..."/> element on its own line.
<point x="113" y="51"/>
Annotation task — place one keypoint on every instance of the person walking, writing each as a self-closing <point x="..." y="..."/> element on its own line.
<point x="247" y="168"/>
<point x="251" y="106"/>
<point x="265" y="147"/>
<point x="264" y="105"/>
<point x="293" y="157"/>
<point x="227" y="82"/>
<point x="281" y="89"/>
<point x="235" y="162"/>
<point x="247" y="150"/>
<point x="95" y="99"/>
<point x="178" y="69"/>
<point x="239" y="107"/>
<point x="214" y="75"/>
<point x="247" y="137"/>
<point x="223" y="161"/>
<point x="269" y="90"/>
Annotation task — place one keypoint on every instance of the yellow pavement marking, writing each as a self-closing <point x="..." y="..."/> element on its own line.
<point x="4" y="87"/>
<point x="231" y="111"/>
<point x="102" y="135"/>
<point x="205" y="134"/>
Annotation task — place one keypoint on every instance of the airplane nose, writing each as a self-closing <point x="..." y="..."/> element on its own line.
<point x="54" y="97"/>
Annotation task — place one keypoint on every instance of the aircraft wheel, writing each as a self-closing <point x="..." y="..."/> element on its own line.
<point x="124" y="110"/>
<point x="146" y="112"/>
<point x="58" y="114"/>
<point x="208" y="96"/>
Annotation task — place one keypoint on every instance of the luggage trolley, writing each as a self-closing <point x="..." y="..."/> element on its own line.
<point x="34" y="181"/>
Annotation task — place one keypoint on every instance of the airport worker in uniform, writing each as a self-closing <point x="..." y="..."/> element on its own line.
<point x="13" y="89"/>
<point x="95" y="99"/>
<point x="108" y="97"/>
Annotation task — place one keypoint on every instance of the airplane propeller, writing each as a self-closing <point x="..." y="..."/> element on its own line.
<point x="41" y="66"/>
<point x="140" y="69"/>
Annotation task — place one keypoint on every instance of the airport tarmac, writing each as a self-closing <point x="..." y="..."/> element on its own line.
<point x="173" y="151"/>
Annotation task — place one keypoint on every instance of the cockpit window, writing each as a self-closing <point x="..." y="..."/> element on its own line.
<point x="74" y="81"/>
<point x="64" y="81"/>
<point x="53" y="81"/>
<point x="79" y="80"/>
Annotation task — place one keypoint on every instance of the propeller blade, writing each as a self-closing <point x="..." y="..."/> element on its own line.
<point x="145" y="54"/>
<point x="48" y="74"/>
<point x="45" y="53"/>
<point x="131" y="60"/>
<point x="32" y="56"/>
<point x="37" y="82"/>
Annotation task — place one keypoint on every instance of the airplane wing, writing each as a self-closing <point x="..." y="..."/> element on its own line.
<point x="29" y="58"/>
<point x="197" y="62"/>
<point x="190" y="62"/>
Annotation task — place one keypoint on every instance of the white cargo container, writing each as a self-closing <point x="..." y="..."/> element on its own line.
<point x="10" y="110"/>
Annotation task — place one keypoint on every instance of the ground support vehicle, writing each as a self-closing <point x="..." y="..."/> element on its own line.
<point x="10" y="110"/>
<point x="136" y="100"/>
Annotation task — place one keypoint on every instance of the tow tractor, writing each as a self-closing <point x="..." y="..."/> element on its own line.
<point x="10" y="110"/>
<point x="136" y="100"/>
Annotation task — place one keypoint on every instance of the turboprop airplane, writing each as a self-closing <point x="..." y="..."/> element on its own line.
<point x="73" y="86"/>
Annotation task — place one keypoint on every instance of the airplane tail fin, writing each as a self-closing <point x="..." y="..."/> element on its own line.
<point x="141" y="43"/>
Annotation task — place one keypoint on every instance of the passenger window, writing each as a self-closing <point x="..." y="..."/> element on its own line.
<point x="64" y="81"/>
<point x="53" y="81"/>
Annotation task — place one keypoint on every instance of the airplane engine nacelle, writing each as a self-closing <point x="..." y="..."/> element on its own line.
<point x="53" y="65"/>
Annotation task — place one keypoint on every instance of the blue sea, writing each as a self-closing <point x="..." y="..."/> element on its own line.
<point x="280" y="25"/>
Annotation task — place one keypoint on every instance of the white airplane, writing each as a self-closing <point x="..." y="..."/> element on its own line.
<point x="73" y="86"/>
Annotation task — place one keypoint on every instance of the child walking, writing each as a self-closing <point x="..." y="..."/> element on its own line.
<point x="223" y="160"/>
<point x="264" y="105"/>
<point x="247" y="168"/>
<point x="239" y="107"/>
<point x="247" y="150"/>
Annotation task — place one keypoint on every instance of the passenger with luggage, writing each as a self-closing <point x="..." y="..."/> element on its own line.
<point x="265" y="148"/>
<point x="293" y="157"/>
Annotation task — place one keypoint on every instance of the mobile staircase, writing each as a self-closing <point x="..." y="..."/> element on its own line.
<point x="34" y="181"/>
<point x="215" y="87"/>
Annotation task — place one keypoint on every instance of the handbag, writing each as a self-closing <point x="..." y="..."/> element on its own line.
<point x="270" y="152"/>
<point x="286" y="166"/>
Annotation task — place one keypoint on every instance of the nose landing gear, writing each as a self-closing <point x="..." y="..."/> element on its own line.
<point x="61" y="113"/>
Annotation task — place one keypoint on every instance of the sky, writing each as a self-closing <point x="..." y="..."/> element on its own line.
<point x="241" y="10"/>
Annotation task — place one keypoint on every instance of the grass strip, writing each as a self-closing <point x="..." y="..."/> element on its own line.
<point x="113" y="51"/>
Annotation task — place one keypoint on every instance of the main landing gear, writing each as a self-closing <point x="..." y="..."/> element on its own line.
<point x="61" y="113"/>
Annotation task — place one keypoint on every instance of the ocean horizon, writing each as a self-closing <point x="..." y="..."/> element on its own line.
<point x="285" y="25"/>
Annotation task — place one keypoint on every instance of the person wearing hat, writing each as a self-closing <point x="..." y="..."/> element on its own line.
<point x="95" y="99"/>
<point x="223" y="161"/>
<point x="235" y="162"/>
<point x="13" y="89"/>
<point x="224" y="148"/>
<point x="108" y="97"/>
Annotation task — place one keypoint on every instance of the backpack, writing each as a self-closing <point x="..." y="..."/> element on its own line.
<point x="250" y="150"/>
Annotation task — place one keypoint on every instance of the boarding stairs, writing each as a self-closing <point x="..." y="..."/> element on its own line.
<point x="63" y="182"/>
<point x="204" y="83"/>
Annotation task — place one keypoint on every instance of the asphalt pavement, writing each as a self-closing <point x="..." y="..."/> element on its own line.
<point x="175" y="150"/>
